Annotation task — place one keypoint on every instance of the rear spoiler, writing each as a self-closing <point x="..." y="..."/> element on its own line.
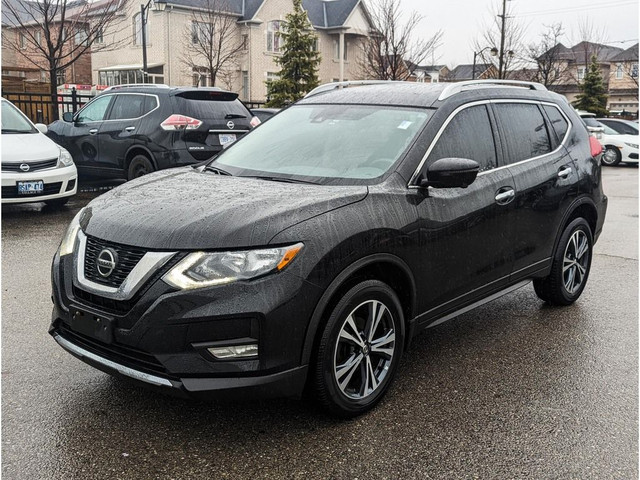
<point x="211" y="95"/>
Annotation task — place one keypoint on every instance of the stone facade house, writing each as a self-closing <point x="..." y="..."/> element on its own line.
<point x="623" y="82"/>
<point x="340" y="26"/>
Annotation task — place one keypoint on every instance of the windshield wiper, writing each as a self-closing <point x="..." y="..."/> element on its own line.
<point x="281" y="179"/>
<point x="219" y="171"/>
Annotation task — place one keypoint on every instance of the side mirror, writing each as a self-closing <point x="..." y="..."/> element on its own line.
<point x="451" y="173"/>
<point x="42" y="128"/>
<point x="67" y="117"/>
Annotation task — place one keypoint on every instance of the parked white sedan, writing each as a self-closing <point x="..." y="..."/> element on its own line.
<point x="618" y="147"/>
<point x="34" y="168"/>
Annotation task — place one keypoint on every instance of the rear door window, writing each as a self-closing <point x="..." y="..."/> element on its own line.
<point x="468" y="135"/>
<point x="127" y="107"/>
<point x="558" y="123"/>
<point x="524" y="131"/>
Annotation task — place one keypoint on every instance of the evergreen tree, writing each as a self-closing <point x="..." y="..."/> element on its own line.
<point x="299" y="61"/>
<point x="593" y="94"/>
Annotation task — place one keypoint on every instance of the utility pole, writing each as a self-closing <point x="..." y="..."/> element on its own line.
<point x="501" y="59"/>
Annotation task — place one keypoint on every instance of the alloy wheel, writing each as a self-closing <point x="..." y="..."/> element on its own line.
<point x="575" y="261"/>
<point x="364" y="350"/>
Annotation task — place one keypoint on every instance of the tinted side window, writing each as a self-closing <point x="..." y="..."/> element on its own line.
<point x="149" y="104"/>
<point x="525" y="131"/>
<point x="560" y="125"/>
<point x="95" y="111"/>
<point x="468" y="135"/>
<point x="127" y="106"/>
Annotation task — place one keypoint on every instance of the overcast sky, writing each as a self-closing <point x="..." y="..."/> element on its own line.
<point x="463" y="20"/>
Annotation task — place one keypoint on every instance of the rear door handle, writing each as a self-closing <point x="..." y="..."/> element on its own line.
<point x="93" y="131"/>
<point x="130" y="129"/>
<point x="564" y="172"/>
<point x="505" y="195"/>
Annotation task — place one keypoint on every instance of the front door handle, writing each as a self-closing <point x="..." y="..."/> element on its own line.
<point x="93" y="131"/>
<point x="505" y="195"/>
<point x="564" y="172"/>
<point x="130" y="129"/>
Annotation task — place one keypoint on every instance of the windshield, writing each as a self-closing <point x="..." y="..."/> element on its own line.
<point x="326" y="142"/>
<point x="13" y="121"/>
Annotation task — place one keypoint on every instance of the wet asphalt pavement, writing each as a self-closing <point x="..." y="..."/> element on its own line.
<point x="514" y="389"/>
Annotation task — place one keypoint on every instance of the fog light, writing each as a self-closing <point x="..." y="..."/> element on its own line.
<point x="235" y="351"/>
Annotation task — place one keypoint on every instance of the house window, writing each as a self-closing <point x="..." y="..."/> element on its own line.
<point x="274" y="37"/>
<point x="99" y="36"/>
<point x="245" y="42"/>
<point x="60" y="77"/>
<point x="245" y="85"/>
<point x="336" y="50"/>
<point x="23" y="41"/>
<point x="38" y="37"/>
<point x="634" y="70"/>
<point x="271" y="76"/>
<point x="137" y="29"/>
<point x="316" y="44"/>
<point x="201" y="32"/>
<point x="43" y="76"/>
<point x="581" y="72"/>
<point x="201" y="77"/>
<point x="81" y="37"/>
<point x="619" y="72"/>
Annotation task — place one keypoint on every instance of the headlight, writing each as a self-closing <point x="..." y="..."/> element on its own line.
<point x="65" y="159"/>
<point x="69" y="239"/>
<point x="202" y="269"/>
<point x="632" y="145"/>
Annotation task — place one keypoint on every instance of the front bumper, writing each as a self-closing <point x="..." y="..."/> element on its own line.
<point x="58" y="183"/>
<point x="160" y="338"/>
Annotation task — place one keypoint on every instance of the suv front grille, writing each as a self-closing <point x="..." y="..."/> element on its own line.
<point x="33" y="166"/>
<point x="128" y="258"/>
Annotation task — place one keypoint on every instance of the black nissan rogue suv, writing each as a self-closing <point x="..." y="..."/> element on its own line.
<point x="310" y="252"/>
<point x="129" y="131"/>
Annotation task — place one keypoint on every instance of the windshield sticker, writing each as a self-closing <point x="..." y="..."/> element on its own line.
<point x="404" y="125"/>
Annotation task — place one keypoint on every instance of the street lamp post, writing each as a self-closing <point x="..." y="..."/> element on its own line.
<point x="159" y="6"/>
<point x="494" y="52"/>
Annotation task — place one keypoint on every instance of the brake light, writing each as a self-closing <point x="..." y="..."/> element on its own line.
<point x="596" y="147"/>
<point x="180" y="122"/>
<point x="255" y="121"/>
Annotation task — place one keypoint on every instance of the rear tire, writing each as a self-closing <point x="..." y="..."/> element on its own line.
<point x="140" y="165"/>
<point x="359" y="350"/>
<point x="611" y="156"/>
<point x="571" y="266"/>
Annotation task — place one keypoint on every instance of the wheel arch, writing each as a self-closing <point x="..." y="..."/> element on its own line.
<point x="583" y="207"/>
<point x="387" y="268"/>
<point x="138" y="150"/>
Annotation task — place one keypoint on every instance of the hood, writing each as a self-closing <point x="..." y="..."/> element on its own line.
<point x="27" y="147"/>
<point x="184" y="209"/>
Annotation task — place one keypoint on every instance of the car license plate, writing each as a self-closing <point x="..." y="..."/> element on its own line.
<point x="227" y="139"/>
<point x="30" y="188"/>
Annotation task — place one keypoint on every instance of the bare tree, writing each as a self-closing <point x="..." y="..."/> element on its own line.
<point x="394" y="49"/>
<point x="550" y="56"/>
<point x="213" y="43"/>
<point x="54" y="34"/>
<point x="513" y="53"/>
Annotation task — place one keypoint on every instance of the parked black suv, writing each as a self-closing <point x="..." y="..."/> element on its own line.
<point x="130" y="131"/>
<point x="311" y="251"/>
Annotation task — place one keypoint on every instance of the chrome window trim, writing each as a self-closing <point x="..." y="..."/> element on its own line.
<point x="120" y="119"/>
<point x="130" y="372"/>
<point x="561" y="145"/>
<point x="149" y="264"/>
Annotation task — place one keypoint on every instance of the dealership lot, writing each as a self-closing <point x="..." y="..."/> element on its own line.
<point x="512" y="389"/>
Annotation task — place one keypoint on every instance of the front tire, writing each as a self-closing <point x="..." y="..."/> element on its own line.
<point x="360" y="349"/>
<point x="140" y="165"/>
<point x="611" y="156"/>
<point x="571" y="266"/>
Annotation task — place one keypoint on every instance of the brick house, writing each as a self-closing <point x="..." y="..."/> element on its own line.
<point x="35" y="69"/>
<point x="340" y="26"/>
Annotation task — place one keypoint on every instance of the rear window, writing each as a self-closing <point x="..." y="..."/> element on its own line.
<point x="558" y="122"/>
<point x="591" y="122"/>
<point x="208" y="105"/>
